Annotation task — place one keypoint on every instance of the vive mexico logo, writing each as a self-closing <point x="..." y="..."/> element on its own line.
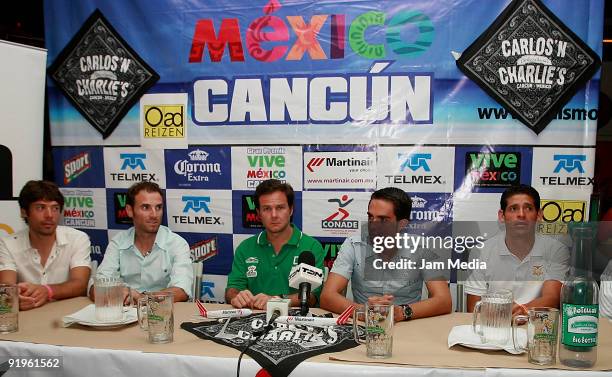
<point x="250" y="217"/>
<point x="120" y="202"/>
<point x="265" y="163"/>
<point x="82" y="210"/>
<point x="493" y="169"/>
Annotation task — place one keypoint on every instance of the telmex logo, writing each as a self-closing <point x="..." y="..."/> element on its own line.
<point x="498" y="169"/>
<point x="76" y="166"/>
<point x="164" y="121"/>
<point x="316" y="162"/>
<point x="207" y="289"/>
<point x="414" y="161"/>
<point x="196" y="204"/>
<point x="569" y="162"/>
<point x="204" y="250"/>
<point x="133" y="160"/>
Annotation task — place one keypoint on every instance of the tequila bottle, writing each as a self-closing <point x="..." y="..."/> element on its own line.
<point x="579" y="304"/>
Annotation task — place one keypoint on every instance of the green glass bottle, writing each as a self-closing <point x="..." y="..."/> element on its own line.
<point x="579" y="303"/>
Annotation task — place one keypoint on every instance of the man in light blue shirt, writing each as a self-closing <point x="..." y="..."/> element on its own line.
<point x="148" y="256"/>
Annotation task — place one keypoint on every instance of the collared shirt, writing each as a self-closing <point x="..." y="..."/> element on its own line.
<point x="168" y="264"/>
<point x="547" y="260"/>
<point x="71" y="249"/>
<point x="259" y="269"/>
<point x="605" y="293"/>
<point x="355" y="261"/>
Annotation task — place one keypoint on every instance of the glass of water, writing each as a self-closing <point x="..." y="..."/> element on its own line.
<point x="9" y="308"/>
<point x="156" y="315"/>
<point x="542" y="325"/>
<point x="378" y="330"/>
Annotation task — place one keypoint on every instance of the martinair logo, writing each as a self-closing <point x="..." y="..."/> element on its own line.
<point x="204" y="250"/>
<point x="557" y="213"/>
<point x="316" y="162"/>
<point x="196" y="168"/>
<point x="164" y="121"/>
<point x="412" y="163"/>
<point x="337" y="220"/>
<point x="120" y="201"/>
<point x="196" y="205"/>
<point x="76" y="166"/>
<point x="493" y="169"/>
<point x="250" y="218"/>
<point x="568" y="164"/>
<point x="133" y="161"/>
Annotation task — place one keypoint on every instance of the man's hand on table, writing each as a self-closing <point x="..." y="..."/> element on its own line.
<point x="244" y="299"/>
<point x="32" y="295"/>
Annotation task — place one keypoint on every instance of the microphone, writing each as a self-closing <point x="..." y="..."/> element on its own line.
<point x="305" y="277"/>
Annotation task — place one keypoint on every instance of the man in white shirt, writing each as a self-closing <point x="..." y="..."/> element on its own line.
<point x="47" y="261"/>
<point x="605" y="292"/>
<point x="531" y="265"/>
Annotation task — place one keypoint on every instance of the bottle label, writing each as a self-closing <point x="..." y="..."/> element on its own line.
<point x="579" y="325"/>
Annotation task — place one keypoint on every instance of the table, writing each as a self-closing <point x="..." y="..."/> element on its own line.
<point x="420" y="348"/>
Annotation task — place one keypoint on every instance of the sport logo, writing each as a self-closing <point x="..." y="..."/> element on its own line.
<point x="204" y="250"/>
<point x="493" y="169"/>
<point x="250" y="217"/>
<point x="164" y="121"/>
<point x="133" y="161"/>
<point x="194" y="168"/>
<point x="196" y="203"/>
<point x="414" y="161"/>
<point x="76" y="166"/>
<point x="337" y="220"/>
<point x="569" y="162"/>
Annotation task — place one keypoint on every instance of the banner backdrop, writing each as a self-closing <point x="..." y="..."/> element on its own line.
<point x="337" y="98"/>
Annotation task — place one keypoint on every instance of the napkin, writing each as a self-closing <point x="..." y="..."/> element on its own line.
<point x="465" y="336"/>
<point x="88" y="315"/>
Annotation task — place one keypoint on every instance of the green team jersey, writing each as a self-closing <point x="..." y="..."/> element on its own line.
<point x="259" y="269"/>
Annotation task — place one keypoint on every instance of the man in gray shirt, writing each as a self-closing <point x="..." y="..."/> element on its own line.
<point x="388" y="214"/>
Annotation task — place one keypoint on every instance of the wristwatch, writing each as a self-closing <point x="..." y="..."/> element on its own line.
<point x="407" y="312"/>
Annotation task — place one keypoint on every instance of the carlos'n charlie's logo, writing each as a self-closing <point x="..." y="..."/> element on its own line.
<point x="530" y="62"/>
<point x="101" y="74"/>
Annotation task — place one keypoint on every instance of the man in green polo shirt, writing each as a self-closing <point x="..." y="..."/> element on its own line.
<point x="262" y="262"/>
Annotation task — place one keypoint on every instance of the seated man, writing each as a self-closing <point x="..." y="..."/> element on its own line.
<point x="605" y="292"/>
<point x="531" y="265"/>
<point x="262" y="263"/>
<point x="46" y="260"/>
<point x="148" y="256"/>
<point x="389" y="208"/>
